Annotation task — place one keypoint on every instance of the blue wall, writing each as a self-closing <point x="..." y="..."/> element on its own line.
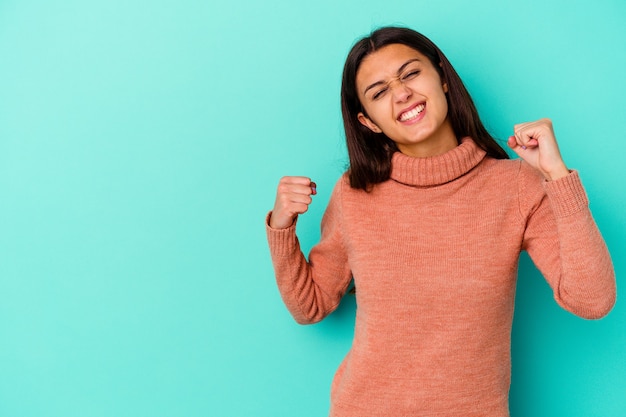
<point x="140" y="147"/>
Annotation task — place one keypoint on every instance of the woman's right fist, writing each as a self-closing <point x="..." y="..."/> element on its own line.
<point x="292" y="198"/>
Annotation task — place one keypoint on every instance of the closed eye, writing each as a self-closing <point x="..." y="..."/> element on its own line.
<point x="378" y="94"/>
<point x="410" y="75"/>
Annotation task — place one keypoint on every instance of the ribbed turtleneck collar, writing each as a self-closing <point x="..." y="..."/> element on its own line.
<point x="436" y="170"/>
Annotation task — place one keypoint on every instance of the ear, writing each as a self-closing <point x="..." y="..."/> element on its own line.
<point x="365" y="121"/>
<point x="445" y="87"/>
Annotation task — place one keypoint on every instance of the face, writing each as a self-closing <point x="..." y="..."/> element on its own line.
<point x="405" y="98"/>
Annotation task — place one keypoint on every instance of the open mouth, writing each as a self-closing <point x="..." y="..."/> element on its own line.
<point x="412" y="114"/>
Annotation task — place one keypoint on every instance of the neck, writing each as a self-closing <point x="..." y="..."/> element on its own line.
<point x="440" y="142"/>
<point x="439" y="169"/>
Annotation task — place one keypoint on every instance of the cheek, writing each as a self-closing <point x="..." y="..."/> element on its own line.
<point x="442" y="102"/>
<point x="377" y="112"/>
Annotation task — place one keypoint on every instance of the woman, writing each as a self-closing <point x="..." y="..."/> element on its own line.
<point x="429" y="221"/>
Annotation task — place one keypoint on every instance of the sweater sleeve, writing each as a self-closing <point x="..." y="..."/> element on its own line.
<point x="565" y="244"/>
<point x="311" y="289"/>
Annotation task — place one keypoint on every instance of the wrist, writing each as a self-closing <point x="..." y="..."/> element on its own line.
<point x="559" y="172"/>
<point x="277" y="222"/>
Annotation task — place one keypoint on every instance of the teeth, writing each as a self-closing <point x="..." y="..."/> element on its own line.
<point x="412" y="114"/>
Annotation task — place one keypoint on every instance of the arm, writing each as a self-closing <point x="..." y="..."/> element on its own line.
<point x="311" y="290"/>
<point x="561" y="236"/>
<point x="564" y="242"/>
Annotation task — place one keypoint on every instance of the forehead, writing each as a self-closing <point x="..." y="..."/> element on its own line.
<point x="386" y="61"/>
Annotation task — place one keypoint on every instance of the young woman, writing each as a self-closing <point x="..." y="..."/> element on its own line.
<point x="429" y="221"/>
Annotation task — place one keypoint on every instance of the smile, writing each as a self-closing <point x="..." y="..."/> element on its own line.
<point x="412" y="114"/>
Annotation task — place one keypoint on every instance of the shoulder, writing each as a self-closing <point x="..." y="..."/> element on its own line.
<point x="531" y="181"/>
<point x="530" y="188"/>
<point x="343" y="189"/>
<point x="338" y="193"/>
<point x="509" y="166"/>
<point x="518" y="178"/>
<point x="515" y="169"/>
<point x="342" y="184"/>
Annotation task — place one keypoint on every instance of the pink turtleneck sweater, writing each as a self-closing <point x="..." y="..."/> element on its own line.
<point x="434" y="253"/>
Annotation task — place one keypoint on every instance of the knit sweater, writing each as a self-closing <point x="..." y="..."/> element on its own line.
<point x="434" y="253"/>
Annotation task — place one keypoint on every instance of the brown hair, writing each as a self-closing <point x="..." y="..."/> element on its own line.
<point x="370" y="153"/>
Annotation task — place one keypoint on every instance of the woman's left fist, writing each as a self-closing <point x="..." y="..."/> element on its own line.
<point x="535" y="143"/>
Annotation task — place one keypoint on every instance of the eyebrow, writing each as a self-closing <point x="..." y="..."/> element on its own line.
<point x="402" y="67"/>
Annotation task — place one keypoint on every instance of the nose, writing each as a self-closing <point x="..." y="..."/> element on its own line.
<point x="399" y="90"/>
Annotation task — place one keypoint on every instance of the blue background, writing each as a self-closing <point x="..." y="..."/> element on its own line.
<point x="140" y="147"/>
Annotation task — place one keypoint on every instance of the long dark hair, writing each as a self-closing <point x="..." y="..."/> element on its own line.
<point x="370" y="153"/>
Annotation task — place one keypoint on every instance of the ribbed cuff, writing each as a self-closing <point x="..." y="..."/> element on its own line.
<point x="566" y="195"/>
<point x="282" y="242"/>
